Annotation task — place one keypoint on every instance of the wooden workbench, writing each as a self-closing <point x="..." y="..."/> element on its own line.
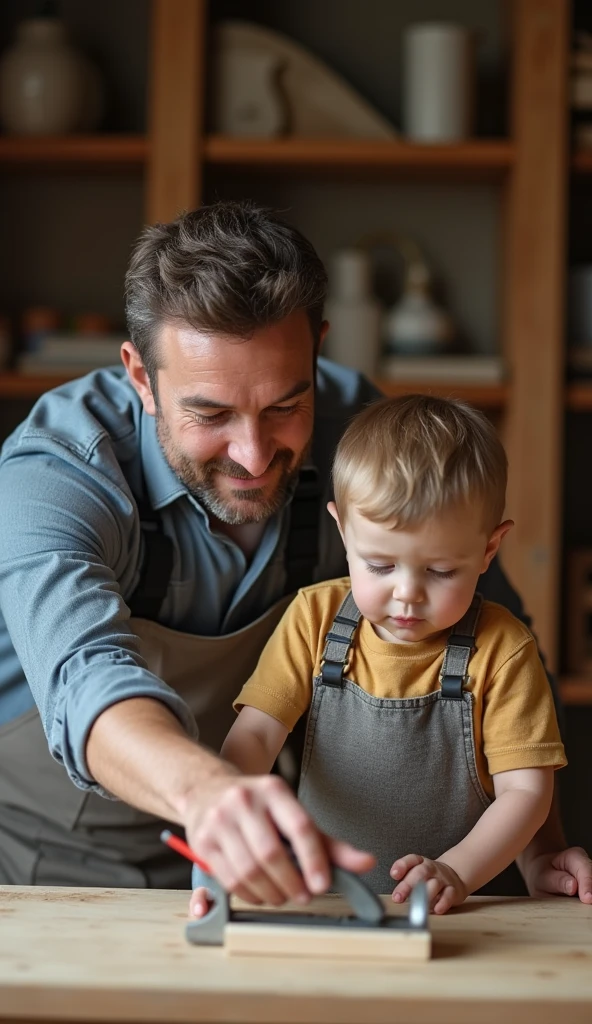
<point x="83" y="955"/>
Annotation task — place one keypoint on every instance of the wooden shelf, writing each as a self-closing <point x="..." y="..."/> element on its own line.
<point x="481" y="158"/>
<point x="576" y="690"/>
<point x="76" y="151"/>
<point x="484" y="396"/>
<point x="20" y="385"/>
<point x="579" y="397"/>
<point x="581" y="161"/>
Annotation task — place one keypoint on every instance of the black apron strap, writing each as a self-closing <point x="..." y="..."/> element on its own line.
<point x="459" y="648"/>
<point x="157" y="566"/>
<point x="302" y="548"/>
<point x="301" y="556"/>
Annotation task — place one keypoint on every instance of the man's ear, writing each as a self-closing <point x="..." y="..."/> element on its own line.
<point x="332" y="510"/>
<point x="494" y="542"/>
<point x="137" y="374"/>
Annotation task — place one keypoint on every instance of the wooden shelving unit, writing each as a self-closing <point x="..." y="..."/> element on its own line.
<point x="575" y="690"/>
<point x="531" y="169"/>
<point x="92" y="152"/>
<point x="19" y="385"/>
<point x="581" y="161"/>
<point x="486" y="159"/>
<point x="483" y="396"/>
<point x="579" y="397"/>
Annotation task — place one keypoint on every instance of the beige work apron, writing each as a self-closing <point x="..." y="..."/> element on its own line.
<point x="52" y="833"/>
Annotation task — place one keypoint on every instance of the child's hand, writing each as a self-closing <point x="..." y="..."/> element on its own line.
<point x="445" y="888"/>
<point x="200" y="902"/>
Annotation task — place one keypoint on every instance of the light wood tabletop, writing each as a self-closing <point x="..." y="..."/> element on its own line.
<point x="81" y="955"/>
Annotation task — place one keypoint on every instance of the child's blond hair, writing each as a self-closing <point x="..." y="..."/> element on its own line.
<point x="406" y="459"/>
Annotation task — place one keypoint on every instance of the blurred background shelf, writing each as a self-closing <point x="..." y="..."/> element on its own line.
<point x="75" y="151"/>
<point x="576" y="690"/>
<point x="582" y="161"/>
<point x="19" y="385"/>
<point x="484" y="396"/>
<point x="487" y="158"/>
<point x="579" y="396"/>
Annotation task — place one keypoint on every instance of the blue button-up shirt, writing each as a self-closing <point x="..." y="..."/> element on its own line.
<point x="71" y="552"/>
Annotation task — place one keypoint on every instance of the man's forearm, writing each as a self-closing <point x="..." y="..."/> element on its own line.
<point x="139" y="751"/>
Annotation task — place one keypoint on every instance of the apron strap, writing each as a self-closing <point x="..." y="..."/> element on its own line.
<point x="459" y="648"/>
<point x="301" y="556"/>
<point x="338" y="642"/>
<point x="302" y="547"/>
<point x="157" y="565"/>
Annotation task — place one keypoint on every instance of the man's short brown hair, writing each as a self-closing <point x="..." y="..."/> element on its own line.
<point x="229" y="268"/>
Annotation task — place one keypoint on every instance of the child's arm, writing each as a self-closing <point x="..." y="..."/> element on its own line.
<point x="521" y="805"/>
<point x="254" y="741"/>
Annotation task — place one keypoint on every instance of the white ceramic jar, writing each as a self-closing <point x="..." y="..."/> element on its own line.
<point x="354" y="314"/>
<point x="437" y="82"/>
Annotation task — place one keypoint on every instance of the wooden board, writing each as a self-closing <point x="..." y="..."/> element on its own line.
<point x="121" y="955"/>
<point x="332" y="943"/>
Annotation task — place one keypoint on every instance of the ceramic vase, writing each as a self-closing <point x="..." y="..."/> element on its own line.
<point x="47" y="87"/>
<point x="353" y="313"/>
<point x="437" y="82"/>
<point x="416" y="325"/>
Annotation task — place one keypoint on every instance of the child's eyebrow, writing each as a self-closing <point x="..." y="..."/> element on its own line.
<point x="376" y="556"/>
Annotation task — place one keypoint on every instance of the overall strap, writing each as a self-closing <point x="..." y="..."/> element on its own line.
<point x="459" y="648"/>
<point x="301" y="556"/>
<point x="338" y="642"/>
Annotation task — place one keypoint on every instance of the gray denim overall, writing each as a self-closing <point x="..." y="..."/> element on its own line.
<point x="53" y="833"/>
<point x="392" y="776"/>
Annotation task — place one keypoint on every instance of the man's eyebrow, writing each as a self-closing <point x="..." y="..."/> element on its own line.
<point x="201" y="402"/>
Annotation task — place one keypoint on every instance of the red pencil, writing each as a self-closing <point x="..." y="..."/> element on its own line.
<point x="181" y="847"/>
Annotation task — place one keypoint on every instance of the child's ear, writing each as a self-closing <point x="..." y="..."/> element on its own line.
<point x="494" y="542"/>
<point x="332" y="510"/>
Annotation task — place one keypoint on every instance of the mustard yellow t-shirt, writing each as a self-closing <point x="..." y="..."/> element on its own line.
<point x="514" y="719"/>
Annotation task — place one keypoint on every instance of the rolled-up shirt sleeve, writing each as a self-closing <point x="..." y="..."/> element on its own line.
<point x="67" y="533"/>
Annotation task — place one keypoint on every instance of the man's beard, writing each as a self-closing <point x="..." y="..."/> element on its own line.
<point x="245" y="506"/>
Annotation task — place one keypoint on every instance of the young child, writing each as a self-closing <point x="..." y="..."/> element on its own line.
<point x="431" y="734"/>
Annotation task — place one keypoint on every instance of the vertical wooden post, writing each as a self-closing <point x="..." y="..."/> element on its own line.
<point x="176" y="105"/>
<point x="534" y="307"/>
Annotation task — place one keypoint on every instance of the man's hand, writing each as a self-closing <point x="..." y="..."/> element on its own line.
<point x="445" y="888"/>
<point x="568" y="873"/>
<point x="239" y="833"/>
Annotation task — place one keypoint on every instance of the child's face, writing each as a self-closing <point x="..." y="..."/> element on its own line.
<point x="413" y="582"/>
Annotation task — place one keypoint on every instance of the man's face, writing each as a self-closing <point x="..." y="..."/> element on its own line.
<point x="235" y="416"/>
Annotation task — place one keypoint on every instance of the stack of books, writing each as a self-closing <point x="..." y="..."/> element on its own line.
<point x="65" y="354"/>
<point x="454" y="369"/>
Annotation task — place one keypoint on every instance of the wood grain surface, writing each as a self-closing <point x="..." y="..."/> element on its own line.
<point x="120" y="955"/>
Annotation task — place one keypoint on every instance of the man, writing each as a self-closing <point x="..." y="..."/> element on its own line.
<point x="155" y="523"/>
